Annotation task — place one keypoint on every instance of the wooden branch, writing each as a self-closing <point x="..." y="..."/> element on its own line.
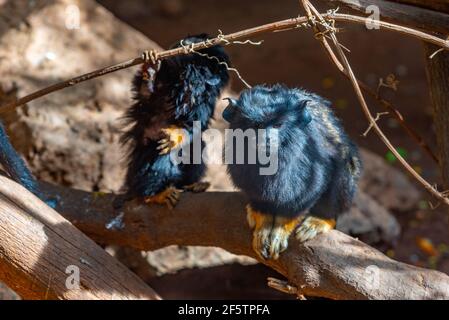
<point x="38" y="247"/>
<point x="438" y="78"/>
<point x="408" y="15"/>
<point x="334" y="265"/>
<point x="437" y="5"/>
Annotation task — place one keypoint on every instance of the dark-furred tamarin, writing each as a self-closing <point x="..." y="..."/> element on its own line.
<point x="168" y="101"/>
<point x="317" y="170"/>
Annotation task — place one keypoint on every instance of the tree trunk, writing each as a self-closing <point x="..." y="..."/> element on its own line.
<point x="42" y="255"/>
<point x="438" y="77"/>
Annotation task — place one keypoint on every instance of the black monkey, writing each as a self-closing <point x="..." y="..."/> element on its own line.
<point x="317" y="170"/>
<point x="184" y="89"/>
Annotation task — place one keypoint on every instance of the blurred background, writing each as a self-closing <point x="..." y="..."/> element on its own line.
<point x="70" y="137"/>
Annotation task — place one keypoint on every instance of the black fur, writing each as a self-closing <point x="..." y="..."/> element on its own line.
<point x="318" y="165"/>
<point x="184" y="90"/>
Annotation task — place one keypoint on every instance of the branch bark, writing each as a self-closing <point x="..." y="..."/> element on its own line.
<point x="437" y="5"/>
<point x="334" y="265"/>
<point x="438" y="78"/>
<point x="408" y="15"/>
<point x="41" y="252"/>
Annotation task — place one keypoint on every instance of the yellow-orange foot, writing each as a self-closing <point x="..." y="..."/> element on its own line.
<point x="175" y="137"/>
<point x="168" y="197"/>
<point x="197" y="187"/>
<point x="313" y="226"/>
<point x="270" y="233"/>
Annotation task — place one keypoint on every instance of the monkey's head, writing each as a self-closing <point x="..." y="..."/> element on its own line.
<point x="271" y="107"/>
<point x="214" y="58"/>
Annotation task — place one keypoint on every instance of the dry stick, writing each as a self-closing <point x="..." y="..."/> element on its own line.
<point x="282" y="25"/>
<point x="398" y="116"/>
<point x="226" y="40"/>
<point x="347" y="67"/>
<point x="389" y="106"/>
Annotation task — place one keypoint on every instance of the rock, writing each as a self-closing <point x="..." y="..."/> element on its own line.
<point x="69" y="137"/>
<point x="369" y="221"/>
<point x="176" y="258"/>
<point x="386" y="184"/>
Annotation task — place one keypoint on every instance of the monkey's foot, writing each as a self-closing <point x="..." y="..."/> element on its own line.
<point x="197" y="187"/>
<point x="168" y="197"/>
<point x="270" y="233"/>
<point x="174" y="138"/>
<point x="313" y="226"/>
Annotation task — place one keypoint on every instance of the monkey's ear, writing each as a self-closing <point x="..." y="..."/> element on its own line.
<point x="306" y="117"/>
<point x="230" y="111"/>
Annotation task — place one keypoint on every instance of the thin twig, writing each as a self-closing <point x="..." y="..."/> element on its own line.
<point x="378" y="115"/>
<point x="393" y="112"/>
<point x="347" y="67"/>
<point x="285" y="287"/>
<point x="283" y="25"/>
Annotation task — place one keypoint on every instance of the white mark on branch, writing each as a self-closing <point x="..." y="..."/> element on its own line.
<point x="85" y="262"/>
<point x="116" y="223"/>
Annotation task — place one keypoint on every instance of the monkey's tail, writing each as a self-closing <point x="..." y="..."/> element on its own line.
<point x="14" y="165"/>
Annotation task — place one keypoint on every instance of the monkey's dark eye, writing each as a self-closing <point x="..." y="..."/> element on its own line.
<point x="277" y="125"/>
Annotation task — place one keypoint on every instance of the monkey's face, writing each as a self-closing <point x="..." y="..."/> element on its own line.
<point x="214" y="58"/>
<point x="276" y="111"/>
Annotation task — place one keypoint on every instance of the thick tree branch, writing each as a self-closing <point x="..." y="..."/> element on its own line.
<point x="404" y="14"/>
<point x="334" y="265"/>
<point x="41" y="253"/>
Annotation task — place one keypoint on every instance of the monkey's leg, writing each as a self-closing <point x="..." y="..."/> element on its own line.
<point x="270" y="233"/>
<point x="168" y="197"/>
<point x="197" y="187"/>
<point x="175" y="137"/>
<point x="313" y="226"/>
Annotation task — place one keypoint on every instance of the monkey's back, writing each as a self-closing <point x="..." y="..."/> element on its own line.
<point x="317" y="170"/>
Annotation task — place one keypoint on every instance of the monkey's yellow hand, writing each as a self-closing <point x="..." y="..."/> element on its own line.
<point x="175" y="137"/>
<point x="270" y="233"/>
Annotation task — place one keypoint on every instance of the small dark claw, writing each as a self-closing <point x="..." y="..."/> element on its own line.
<point x="197" y="187"/>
